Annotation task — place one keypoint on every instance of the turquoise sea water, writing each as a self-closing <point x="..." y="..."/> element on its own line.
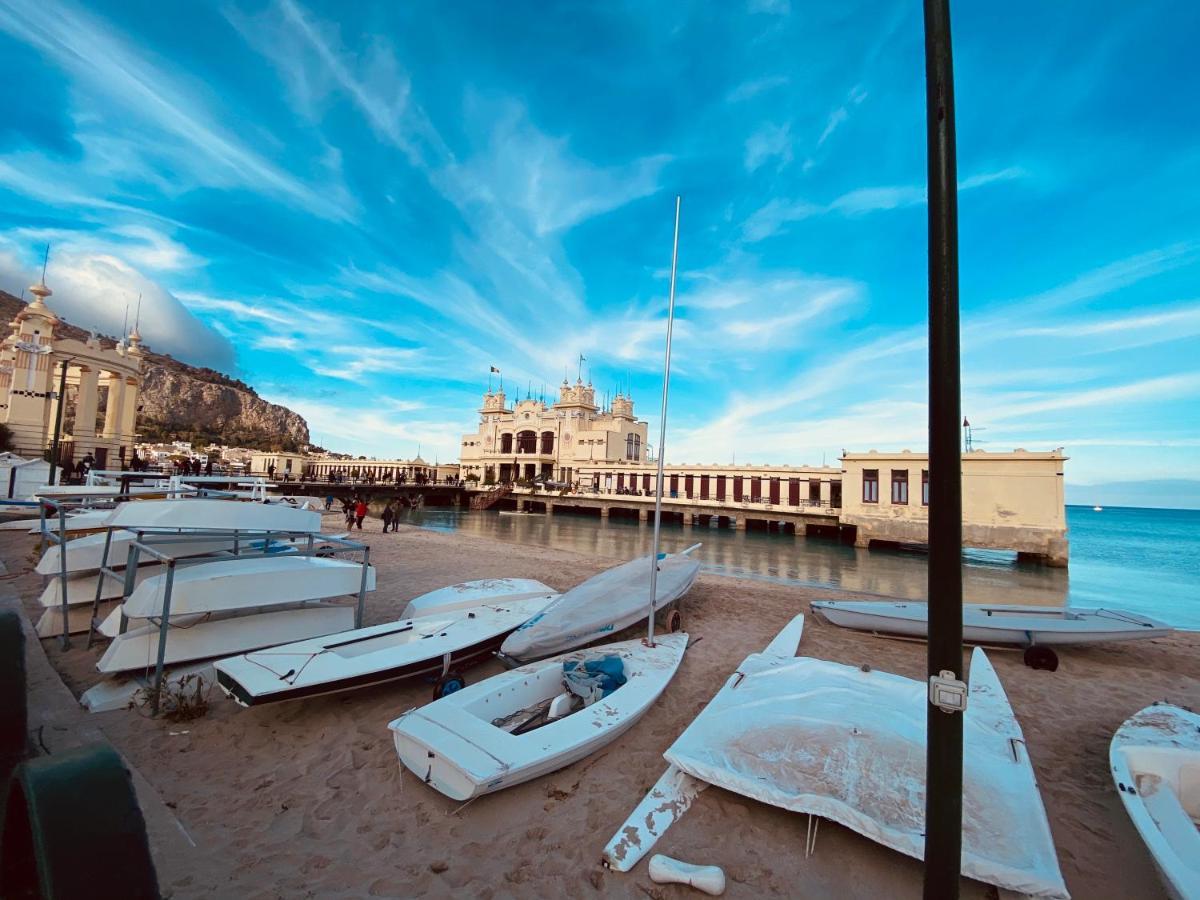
<point x="1144" y="560"/>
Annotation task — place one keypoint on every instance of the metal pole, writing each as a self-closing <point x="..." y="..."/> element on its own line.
<point x="100" y="587"/>
<point x="362" y="588"/>
<point x="662" y="431"/>
<point x="58" y="417"/>
<point x="164" y="625"/>
<point x="944" y="752"/>
<point x="62" y="576"/>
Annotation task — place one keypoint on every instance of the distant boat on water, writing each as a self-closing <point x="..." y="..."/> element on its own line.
<point x="1097" y="509"/>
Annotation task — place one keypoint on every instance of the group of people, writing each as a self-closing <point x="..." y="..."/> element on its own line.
<point x="355" y="510"/>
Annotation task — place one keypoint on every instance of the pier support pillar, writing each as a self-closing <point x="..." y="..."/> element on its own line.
<point x="604" y="512"/>
<point x="549" y="508"/>
<point x="862" y="538"/>
<point x="739" y="524"/>
<point x="643" y="515"/>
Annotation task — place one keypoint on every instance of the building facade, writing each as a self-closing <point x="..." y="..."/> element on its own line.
<point x="556" y="441"/>
<point x="100" y="405"/>
<point x="1012" y="500"/>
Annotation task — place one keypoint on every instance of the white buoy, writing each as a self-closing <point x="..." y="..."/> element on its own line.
<point x="664" y="870"/>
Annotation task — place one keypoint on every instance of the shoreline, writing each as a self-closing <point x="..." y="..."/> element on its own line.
<point x="306" y="798"/>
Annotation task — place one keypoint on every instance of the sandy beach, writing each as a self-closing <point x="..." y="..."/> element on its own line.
<point x="306" y="799"/>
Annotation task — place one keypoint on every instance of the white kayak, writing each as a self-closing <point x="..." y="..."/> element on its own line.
<point x="602" y="605"/>
<point x="427" y="645"/>
<point x="84" y="554"/>
<point x="1024" y="625"/>
<point x="835" y="741"/>
<point x="524" y="723"/>
<point x="138" y="647"/>
<point x="1155" y="759"/>
<point x="240" y="583"/>
<point x="222" y="515"/>
<point x="470" y="594"/>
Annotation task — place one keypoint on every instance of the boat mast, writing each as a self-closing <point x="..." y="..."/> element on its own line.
<point x="662" y="430"/>
<point x="944" y="748"/>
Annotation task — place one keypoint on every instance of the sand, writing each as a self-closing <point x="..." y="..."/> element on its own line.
<point x="306" y="799"/>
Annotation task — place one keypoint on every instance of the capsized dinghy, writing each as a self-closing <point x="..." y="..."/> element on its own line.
<point x="85" y="553"/>
<point x="471" y="594"/>
<point x="982" y="624"/>
<point x="527" y="722"/>
<point x="205" y="639"/>
<point x="241" y="583"/>
<point x="1155" y="759"/>
<point x="602" y="605"/>
<point x="218" y="515"/>
<point x="834" y="741"/>
<point x="439" y="643"/>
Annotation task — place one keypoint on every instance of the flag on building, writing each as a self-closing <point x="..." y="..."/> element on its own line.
<point x="494" y="369"/>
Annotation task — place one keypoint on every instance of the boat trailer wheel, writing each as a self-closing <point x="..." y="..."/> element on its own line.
<point x="1038" y="656"/>
<point x="448" y="684"/>
<point x="674" y="621"/>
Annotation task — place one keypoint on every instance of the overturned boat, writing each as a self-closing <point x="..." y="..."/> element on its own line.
<point x="470" y="594"/>
<point x="982" y="624"/>
<point x="845" y="744"/>
<point x="1155" y="760"/>
<point x="535" y="719"/>
<point x="603" y="605"/>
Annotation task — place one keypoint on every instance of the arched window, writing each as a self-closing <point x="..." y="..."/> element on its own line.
<point x="527" y="442"/>
<point x="547" y="442"/>
<point x="506" y="443"/>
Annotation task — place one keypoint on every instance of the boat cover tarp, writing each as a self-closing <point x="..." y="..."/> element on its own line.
<point x="832" y="740"/>
<point x="600" y="606"/>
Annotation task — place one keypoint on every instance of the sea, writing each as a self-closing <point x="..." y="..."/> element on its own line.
<point x="1143" y="560"/>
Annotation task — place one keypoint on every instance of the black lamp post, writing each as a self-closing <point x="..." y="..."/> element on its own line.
<point x="58" y="417"/>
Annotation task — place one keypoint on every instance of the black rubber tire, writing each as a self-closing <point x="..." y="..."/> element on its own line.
<point x="1039" y="656"/>
<point x="674" y="621"/>
<point x="449" y="684"/>
<point x="58" y="805"/>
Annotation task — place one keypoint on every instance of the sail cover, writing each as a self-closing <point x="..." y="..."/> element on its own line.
<point x="849" y="745"/>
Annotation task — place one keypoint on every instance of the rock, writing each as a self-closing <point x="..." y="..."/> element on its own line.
<point x="438" y="866"/>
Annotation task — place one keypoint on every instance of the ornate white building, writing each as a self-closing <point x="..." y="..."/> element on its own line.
<point x="533" y="439"/>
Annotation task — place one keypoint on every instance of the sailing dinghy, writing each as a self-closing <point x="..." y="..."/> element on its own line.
<point x="602" y="605"/>
<point x="535" y="719"/>
<point x="1023" y="625"/>
<point x="439" y="643"/>
<point x="205" y="637"/>
<point x="85" y="553"/>
<point x="471" y="594"/>
<point x="845" y="744"/>
<point x="1155" y="759"/>
<point x="214" y="515"/>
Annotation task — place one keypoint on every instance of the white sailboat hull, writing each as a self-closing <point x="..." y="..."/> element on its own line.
<point x="223" y="515"/>
<point x="138" y="648"/>
<point x="471" y="594"/>
<point x="79" y="618"/>
<point x="452" y="745"/>
<point x="983" y="624"/>
<point x="240" y="583"/>
<point x="84" y="554"/>
<point x="601" y="606"/>
<point x="372" y="655"/>
<point x="1155" y="760"/>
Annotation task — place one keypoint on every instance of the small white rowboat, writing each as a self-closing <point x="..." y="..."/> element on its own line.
<point x="428" y="645"/>
<point x="241" y="583"/>
<point x="222" y="515"/>
<point x="1023" y="625"/>
<point x="1155" y="759"/>
<point x="138" y="648"/>
<point x="602" y="605"/>
<point x="455" y="745"/>
<point x="84" y="554"/>
<point x="471" y="594"/>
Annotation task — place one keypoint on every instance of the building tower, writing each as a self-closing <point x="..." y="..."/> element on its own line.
<point x="31" y="381"/>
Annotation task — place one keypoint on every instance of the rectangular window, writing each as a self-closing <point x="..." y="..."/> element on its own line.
<point x="720" y="487"/>
<point x="793" y="492"/>
<point x="900" y="487"/>
<point x="814" y="491"/>
<point x="924" y="487"/>
<point x="703" y="487"/>
<point x="870" y="485"/>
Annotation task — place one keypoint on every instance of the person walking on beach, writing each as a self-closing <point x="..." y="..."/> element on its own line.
<point x="389" y="513"/>
<point x="328" y="502"/>
<point x="360" y="513"/>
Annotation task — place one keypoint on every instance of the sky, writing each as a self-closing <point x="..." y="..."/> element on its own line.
<point x="360" y="208"/>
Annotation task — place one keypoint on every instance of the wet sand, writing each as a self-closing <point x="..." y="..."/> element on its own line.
<point x="306" y="799"/>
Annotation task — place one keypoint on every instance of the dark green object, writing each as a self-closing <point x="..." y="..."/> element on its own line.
<point x="14" y="714"/>
<point x="73" y="830"/>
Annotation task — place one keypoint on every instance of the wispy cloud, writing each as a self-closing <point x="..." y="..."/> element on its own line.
<point x="770" y="142"/>
<point x="752" y="88"/>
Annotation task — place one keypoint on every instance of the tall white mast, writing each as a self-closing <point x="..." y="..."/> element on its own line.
<point x="662" y="429"/>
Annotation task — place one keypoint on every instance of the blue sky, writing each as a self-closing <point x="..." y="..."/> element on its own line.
<point x="360" y="207"/>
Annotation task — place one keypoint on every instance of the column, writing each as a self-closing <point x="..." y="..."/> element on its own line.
<point x="112" y="410"/>
<point x="129" y="405"/>
<point x="85" y="409"/>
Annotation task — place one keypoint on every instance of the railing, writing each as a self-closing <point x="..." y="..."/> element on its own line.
<point x="491" y="498"/>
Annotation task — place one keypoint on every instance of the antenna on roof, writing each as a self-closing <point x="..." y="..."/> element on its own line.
<point x="125" y="327"/>
<point x="138" y="315"/>
<point x="45" y="261"/>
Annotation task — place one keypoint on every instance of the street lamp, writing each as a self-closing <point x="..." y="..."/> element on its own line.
<point x="58" y="417"/>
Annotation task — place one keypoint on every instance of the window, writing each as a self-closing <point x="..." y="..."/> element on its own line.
<point x="870" y="485"/>
<point x="924" y="487"/>
<point x="633" y="446"/>
<point x="900" y="487"/>
<point x="814" y="491"/>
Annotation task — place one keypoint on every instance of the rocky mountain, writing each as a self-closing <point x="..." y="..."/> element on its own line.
<point x="183" y="402"/>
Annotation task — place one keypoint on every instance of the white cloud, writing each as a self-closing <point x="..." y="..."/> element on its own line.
<point x="770" y="142"/>
<point x="748" y="89"/>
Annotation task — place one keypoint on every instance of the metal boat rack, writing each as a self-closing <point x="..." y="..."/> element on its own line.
<point x="156" y="543"/>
